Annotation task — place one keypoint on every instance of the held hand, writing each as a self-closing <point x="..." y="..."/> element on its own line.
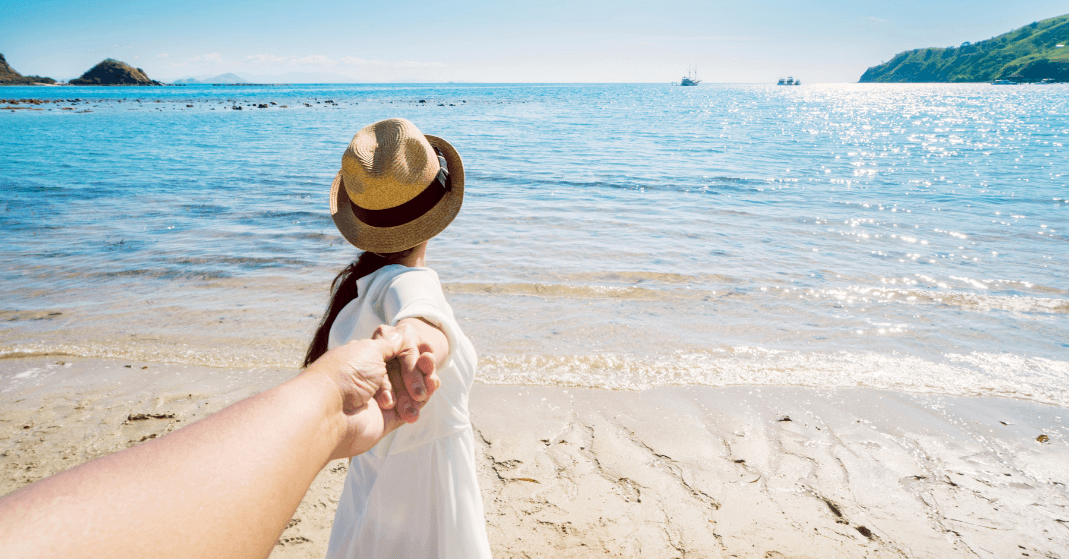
<point x="413" y="373"/>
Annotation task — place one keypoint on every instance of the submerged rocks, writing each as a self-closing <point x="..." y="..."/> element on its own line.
<point x="114" y="72"/>
<point x="8" y="76"/>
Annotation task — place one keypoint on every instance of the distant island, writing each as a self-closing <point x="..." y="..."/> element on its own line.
<point x="220" y="79"/>
<point x="1033" y="53"/>
<point x="114" y="72"/>
<point x="8" y="76"/>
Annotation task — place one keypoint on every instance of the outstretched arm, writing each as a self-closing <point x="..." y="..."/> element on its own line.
<point x="224" y="486"/>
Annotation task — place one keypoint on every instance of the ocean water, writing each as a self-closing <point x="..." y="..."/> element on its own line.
<point x="910" y="237"/>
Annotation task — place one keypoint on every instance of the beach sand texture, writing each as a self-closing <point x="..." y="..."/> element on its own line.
<point x="684" y="471"/>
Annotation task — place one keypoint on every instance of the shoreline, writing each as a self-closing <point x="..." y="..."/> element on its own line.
<point x="664" y="472"/>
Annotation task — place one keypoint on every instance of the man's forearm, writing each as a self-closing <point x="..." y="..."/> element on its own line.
<point x="222" y="487"/>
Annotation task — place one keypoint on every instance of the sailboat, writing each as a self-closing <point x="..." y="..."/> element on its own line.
<point x="691" y="78"/>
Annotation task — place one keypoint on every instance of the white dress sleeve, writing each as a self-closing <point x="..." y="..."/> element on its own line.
<point x="418" y="294"/>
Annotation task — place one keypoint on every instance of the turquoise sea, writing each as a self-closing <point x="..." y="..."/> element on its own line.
<point x="911" y="237"/>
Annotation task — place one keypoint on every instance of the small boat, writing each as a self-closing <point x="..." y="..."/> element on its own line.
<point x="691" y="79"/>
<point x="789" y="81"/>
<point x="1003" y="82"/>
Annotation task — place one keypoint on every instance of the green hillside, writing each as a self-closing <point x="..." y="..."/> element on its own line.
<point x="1032" y="53"/>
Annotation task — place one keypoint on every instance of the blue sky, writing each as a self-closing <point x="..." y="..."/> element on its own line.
<point x="485" y="41"/>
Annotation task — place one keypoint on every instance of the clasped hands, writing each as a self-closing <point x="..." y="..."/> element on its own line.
<point x="382" y="383"/>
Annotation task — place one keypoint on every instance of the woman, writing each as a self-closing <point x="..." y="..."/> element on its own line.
<point x="415" y="494"/>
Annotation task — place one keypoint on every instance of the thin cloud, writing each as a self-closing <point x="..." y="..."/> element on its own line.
<point x="876" y="19"/>
<point x="275" y="60"/>
<point x="319" y="60"/>
<point x="162" y="55"/>
<point x="353" y="61"/>
<point x="414" y="64"/>
<point x="314" y="60"/>
<point x="714" y="38"/>
<point x="265" y="59"/>
<point x="210" y="58"/>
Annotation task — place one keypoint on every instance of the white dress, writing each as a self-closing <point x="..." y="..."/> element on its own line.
<point x="415" y="494"/>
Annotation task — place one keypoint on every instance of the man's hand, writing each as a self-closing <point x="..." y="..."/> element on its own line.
<point x="358" y="372"/>
<point x="383" y="382"/>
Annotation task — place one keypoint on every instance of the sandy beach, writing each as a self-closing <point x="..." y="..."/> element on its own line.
<point x="685" y="471"/>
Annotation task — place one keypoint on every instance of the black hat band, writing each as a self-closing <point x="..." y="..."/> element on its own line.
<point x="414" y="208"/>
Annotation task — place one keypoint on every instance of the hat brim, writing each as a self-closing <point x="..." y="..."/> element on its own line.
<point x="401" y="237"/>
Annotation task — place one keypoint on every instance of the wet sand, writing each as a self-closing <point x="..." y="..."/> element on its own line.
<point x="684" y="471"/>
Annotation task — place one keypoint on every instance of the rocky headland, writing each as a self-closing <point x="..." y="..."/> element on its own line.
<point x="1033" y="53"/>
<point x="8" y="76"/>
<point x="114" y="72"/>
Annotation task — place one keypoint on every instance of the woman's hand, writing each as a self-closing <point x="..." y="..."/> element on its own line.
<point x="413" y="374"/>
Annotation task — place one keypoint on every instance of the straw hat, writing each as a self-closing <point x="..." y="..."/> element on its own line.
<point x="392" y="192"/>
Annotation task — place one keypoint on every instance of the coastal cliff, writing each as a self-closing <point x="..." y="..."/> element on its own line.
<point x="8" y="76"/>
<point x="114" y="72"/>
<point x="1031" y="53"/>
